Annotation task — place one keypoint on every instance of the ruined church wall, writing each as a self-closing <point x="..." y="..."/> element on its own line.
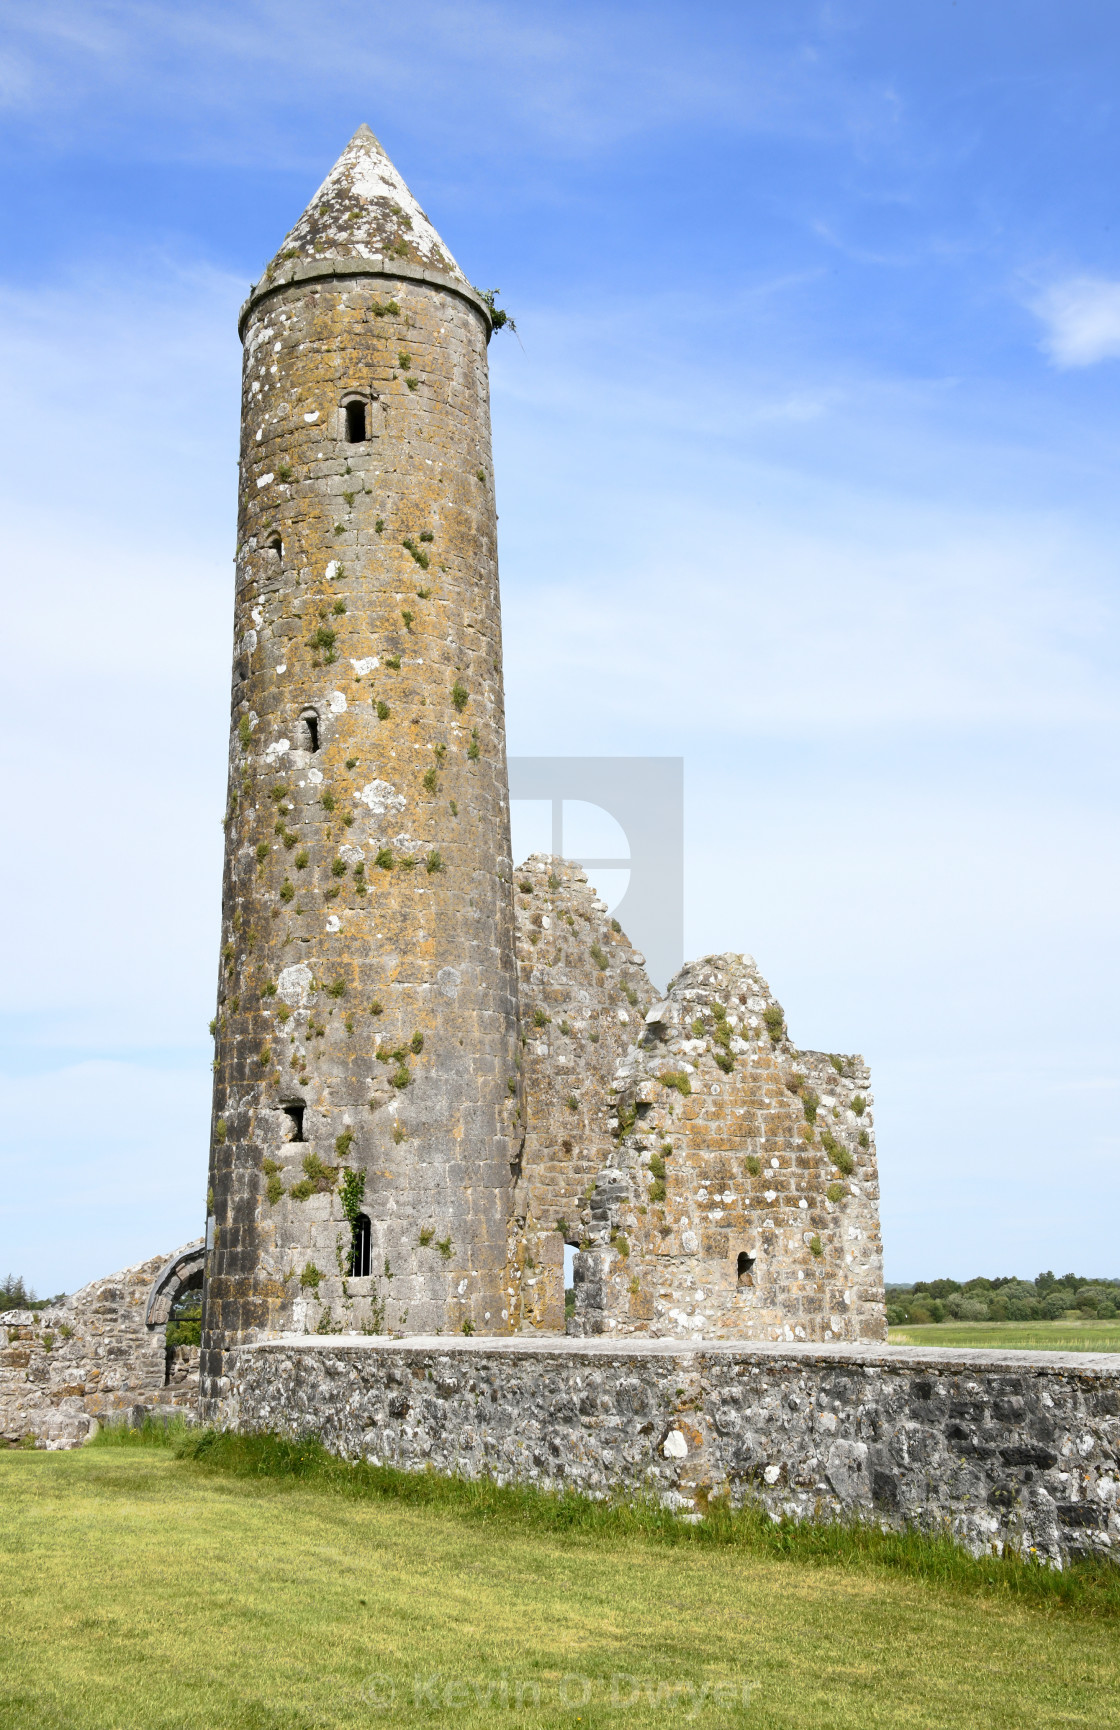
<point x="90" y="1358"/>
<point x="740" y="1197"/>
<point x="584" y="993"/>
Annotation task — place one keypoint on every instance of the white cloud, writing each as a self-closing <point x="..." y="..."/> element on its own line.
<point x="801" y="573"/>
<point x="1082" y="319"/>
<point x="583" y="78"/>
<point x="119" y="591"/>
<point x="104" y="1164"/>
<point x="873" y="615"/>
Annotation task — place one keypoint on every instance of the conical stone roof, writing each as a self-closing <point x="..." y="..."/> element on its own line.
<point x="364" y="210"/>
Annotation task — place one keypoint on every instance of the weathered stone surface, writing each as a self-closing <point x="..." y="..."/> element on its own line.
<point x="364" y="211"/>
<point x="368" y="1035"/>
<point x="1019" y="1450"/>
<point x="367" y="972"/>
<point x="100" y="1354"/>
<point x="740" y="1199"/>
<point x="583" y="992"/>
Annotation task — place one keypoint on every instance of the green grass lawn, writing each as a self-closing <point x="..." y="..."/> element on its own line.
<point x="1061" y="1336"/>
<point x="141" y="1590"/>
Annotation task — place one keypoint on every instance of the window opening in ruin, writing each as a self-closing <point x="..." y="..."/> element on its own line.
<point x="361" y="1254"/>
<point x="294" y="1113"/>
<point x="184" y="1323"/>
<point x="746" y="1267"/>
<point x="307" y="731"/>
<point x="355" y="423"/>
<point x="276" y="546"/>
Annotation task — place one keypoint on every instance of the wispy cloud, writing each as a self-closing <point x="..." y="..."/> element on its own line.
<point x="125" y="1143"/>
<point x="1082" y="320"/>
<point x="582" y="79"/>
<point x="820" y="554"/>
<point x="780" y="490"/>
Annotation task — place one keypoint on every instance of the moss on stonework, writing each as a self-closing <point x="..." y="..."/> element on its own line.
<point x="318" y="1178"/>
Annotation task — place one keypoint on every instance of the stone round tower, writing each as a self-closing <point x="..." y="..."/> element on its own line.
<point x="365" y="1092"/>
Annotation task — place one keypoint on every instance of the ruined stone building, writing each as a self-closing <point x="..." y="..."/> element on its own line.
<point x="435" y="1073"/>
<point x="101" y="1354"/>
<point x="432" y="1071"/>
<point x="367" y="1014"/>
<point x="719" y="1182"/>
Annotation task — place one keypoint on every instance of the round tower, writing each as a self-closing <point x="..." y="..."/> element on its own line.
<point x="365" y="1090"/>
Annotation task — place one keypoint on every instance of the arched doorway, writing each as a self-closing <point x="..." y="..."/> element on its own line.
<point x="175" y="1300"/>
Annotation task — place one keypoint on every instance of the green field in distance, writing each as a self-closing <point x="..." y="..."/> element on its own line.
<point x="1060" y="1336"/>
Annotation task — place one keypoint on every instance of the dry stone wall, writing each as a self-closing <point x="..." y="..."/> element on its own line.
<point x="740" y="1197"/>
<point x="367" y="1011"/>
<point x="1019" y="1451"/>
<point x="583" y="993"/>
<point x="94" y="1357"/>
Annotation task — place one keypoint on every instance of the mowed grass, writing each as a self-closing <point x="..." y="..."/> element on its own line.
<point x="1014" y="1336"/>
<point x="143" y="1590"/>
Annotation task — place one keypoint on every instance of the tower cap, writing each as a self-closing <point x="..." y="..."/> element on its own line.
<point x="364" y="210"/>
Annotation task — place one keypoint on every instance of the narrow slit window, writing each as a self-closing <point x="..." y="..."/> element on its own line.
<point x="746" y="1268"/>
<point x="293" y="1111"/>
<point x="360" y="1255"/>
<point x="276" y="546"/>
<point x="307" y="732"/>
<point x="355" y="423"/>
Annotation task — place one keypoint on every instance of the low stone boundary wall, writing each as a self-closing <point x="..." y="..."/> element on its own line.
<point x="1018" y="1450"/>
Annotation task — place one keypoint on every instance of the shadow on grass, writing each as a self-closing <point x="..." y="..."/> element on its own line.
<point x="1088" y="1587"/>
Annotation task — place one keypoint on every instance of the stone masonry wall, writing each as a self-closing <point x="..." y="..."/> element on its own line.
<point x="584" y="993"/>
<point x="91" y="1357"/>
<point x="369" y="1056"/>
<point x="740" y="1199"/>
<point x="367" y="1009"/>
<point x="1021" y="1450"/>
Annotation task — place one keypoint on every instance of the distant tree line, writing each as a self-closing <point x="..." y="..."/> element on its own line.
<point x="15" y="1295"/>
<point x="1047" y="1298"/>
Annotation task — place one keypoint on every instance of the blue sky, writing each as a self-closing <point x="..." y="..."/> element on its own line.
<point x="806" y="469"/>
